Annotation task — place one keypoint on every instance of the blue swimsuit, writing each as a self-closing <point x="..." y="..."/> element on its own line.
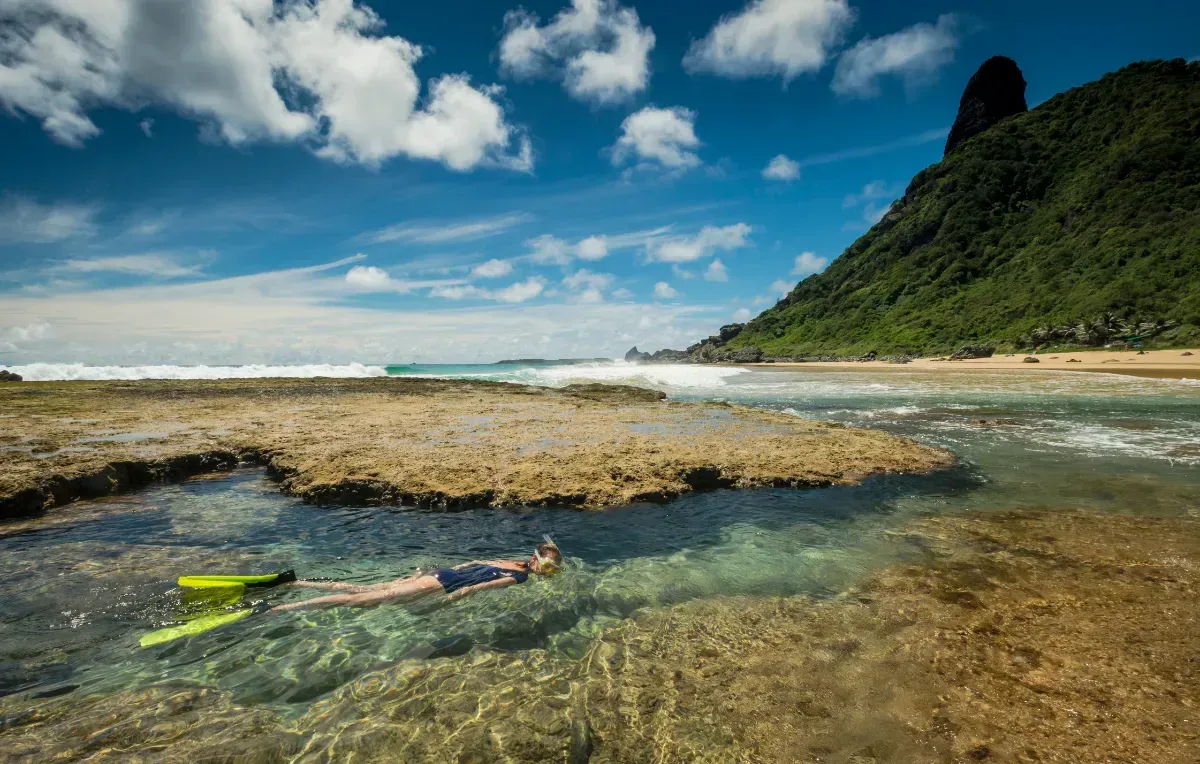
<point x="452" y="580"/>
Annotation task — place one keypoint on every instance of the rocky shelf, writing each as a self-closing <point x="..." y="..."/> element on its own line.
<point x="432" y="443"/>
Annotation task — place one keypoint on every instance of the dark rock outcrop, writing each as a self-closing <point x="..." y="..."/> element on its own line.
<point x="670" y="356"/>
<point x="1030" y="359"/>
<point x="8" y="376"/>
<point x="994" y="92"/>
<point x="748" y="355"/>
<point x="972" y="351"/>
<point x="636" y="356"/>
<point x="729" y="331"/>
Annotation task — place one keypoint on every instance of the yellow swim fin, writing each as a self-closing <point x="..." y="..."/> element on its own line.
<point x="192" y="628"/>
<point x="216" y="582"/>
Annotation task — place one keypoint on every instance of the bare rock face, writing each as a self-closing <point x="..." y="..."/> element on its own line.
<point x="972" y="351"/>
<point x="636" y="356"/>
<point x="994" y="92"/>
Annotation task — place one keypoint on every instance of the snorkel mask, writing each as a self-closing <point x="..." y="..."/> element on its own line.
<point x="545" y="564"/>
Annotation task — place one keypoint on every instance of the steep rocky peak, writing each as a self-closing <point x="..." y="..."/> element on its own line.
<point x="994" y="92"/>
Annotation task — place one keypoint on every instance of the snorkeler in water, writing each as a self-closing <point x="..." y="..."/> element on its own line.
<point x="457" y="582"/>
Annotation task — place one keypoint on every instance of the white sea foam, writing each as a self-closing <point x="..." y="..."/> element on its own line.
<point x="48" y="372"/>
<point x="679" y="375"/>
<point x="655" y="376"/>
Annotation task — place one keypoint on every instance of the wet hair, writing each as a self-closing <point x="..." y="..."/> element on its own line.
<point x="549" y="553"/>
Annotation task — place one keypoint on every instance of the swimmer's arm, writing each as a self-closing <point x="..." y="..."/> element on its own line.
<point x="499" y="583"/>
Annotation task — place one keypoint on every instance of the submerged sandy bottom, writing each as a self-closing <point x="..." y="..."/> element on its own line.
<point x="1049" y="635"/>
<point x="440" y="443"/>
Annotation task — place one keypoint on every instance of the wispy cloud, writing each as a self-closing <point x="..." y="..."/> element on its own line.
<point x="518" y="292"/>
<point x="860" y="152"/>
<point x="25" y="221"/>
<point x="370" y="278"/>
<point x="303" y="315"/>
<point x="166" y="265"/>
<point x="914" y="54"/>
<point x="447" y="231"/>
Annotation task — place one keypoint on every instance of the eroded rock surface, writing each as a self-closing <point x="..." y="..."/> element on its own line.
<point x="439" y="443"/>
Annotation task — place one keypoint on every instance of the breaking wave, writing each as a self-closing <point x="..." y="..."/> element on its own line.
<point x="51" y="372"/>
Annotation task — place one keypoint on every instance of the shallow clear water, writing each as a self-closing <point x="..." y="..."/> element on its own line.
<point x="82" y="584"/>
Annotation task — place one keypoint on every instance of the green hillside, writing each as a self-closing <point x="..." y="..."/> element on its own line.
<point x="1088" y="204"/>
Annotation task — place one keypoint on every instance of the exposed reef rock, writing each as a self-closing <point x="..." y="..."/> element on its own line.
<point x="635" y="356"/>
<point x="994" y="92"/>
<point x="431" y="443"/>
<point x="972" y="351"/>
<point x="8" y="376"/>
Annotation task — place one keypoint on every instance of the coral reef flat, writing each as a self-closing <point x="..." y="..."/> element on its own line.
<point x="425" y="442"/>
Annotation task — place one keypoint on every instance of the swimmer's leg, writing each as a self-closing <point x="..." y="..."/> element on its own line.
<point x="397" y="591"/>
<point x="332" y="586"/>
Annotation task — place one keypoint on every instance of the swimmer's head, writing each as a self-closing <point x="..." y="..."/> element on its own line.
<point x="546" y="559"/>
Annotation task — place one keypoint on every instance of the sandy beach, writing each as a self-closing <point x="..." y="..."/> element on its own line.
<point x="1161" y="364"/>
<point x="424" y="442"/>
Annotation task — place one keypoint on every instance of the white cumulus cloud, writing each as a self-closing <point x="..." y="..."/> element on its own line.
<point x="807" y="263"/>
<point x="914" y="54"/>
<point x="781" y="287"/>
<point x="598" y="48"/>
<point x="662" y="138"/>
<point x="368" y="277"/>
<point x="521" y="291"/>
<point x="782" y="168"/>
<point x="663" y="291"/>
<point x="741" y="315"/>
<point x="583" y="278"/>
<point x="716" y="271"/>
<point x="318" y="72"/>
<point x="492" y="269"/>
<point x="684" y="249"/>
<point x="593" y="248"/>
<point x="769" y="38"/>
<point x="549" y="250"/>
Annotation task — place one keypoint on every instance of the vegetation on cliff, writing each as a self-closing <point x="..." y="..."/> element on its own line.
<point x="1087" y="206"/>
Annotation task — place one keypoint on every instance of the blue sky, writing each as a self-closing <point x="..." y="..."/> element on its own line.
<point x="236" y="181"/>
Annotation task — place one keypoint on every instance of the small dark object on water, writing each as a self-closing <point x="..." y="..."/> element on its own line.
<point x="1030" y="359"/>
<point x="979" y="753"/>
<point x="8" y="376"/>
